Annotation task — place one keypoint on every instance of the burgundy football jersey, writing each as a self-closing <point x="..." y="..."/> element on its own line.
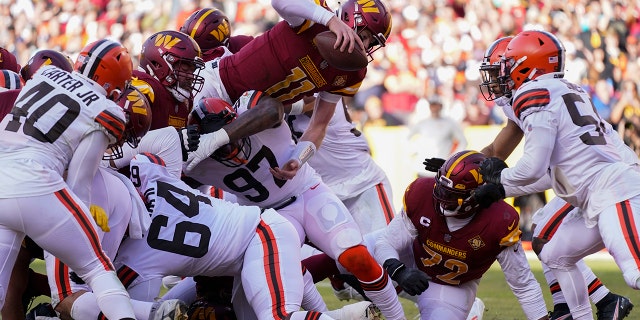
<point x="235" y="44"/>
<point x="165" y="109"/>
<point x="284" y="63"/>
<point x="452" y="258"/>
<point x="7" y="99"/>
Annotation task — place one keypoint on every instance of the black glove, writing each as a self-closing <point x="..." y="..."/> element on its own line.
<point x="488" y="193"/>
<point x="491" y="168"/>
<point x="412" y="281"/>
<point x="433" y="164"/>
<point x="193" y="137"/>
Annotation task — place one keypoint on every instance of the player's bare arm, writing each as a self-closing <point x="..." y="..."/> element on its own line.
<point x="266" y="114"/>
<point x="505" y="142"/>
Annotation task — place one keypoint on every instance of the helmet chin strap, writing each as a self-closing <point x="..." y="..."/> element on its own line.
<point x="179" y="93"/>
<point x="450" y="213"/>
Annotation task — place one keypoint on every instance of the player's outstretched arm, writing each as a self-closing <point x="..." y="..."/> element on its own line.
<point x="267" y="113"/>
<point x="505" y="142"/>
<point x="522" y="282"/>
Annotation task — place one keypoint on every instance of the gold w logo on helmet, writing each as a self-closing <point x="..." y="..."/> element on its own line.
<point x="476" y="175"/>
<point x="368" y="6"/>
<point x="222" y="31"/>
<point x="166" y="41"/>
<point x="135" y="101"/>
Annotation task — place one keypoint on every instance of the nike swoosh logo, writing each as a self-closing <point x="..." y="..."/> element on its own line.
<point x="512" y="225"/>
<point x="314" y="187"/>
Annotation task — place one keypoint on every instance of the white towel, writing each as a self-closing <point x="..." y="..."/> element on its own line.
<point x="140" y="218"/>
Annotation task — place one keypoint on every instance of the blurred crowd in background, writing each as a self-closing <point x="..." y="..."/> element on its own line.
<point x="435" y="47"/>
<point x="434" y="50"/>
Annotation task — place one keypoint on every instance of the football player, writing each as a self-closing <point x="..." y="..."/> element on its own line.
<point x="243" y="167"/>
<point x="125" y="215"/>
<point x="168" y="75"/>
<point x="451" y="240"/>
<point x="26" y="284"/>
<point x="588" y="164"/>
<point x="358" y="181"/>
<point x="173" y="146"/>
<point x="211" y="29"/>
<point x="548" y="219"/>
<point x="295" y="68"/>
<point x="202" y="235"/>
<point x="64" y="121"/>
<point x="8" y="61"/>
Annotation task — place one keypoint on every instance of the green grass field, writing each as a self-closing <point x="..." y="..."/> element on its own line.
<point x="500" y="303"/>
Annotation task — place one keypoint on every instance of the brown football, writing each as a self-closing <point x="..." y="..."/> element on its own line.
<point x="346" y="61"/>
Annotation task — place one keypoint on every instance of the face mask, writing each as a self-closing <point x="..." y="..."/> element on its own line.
<point x="449" y="213"/>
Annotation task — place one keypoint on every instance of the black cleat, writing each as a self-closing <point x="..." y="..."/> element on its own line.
<point x="43" y="310"/>
<point x="560" y="312"/>
<point x="618" y="308"/>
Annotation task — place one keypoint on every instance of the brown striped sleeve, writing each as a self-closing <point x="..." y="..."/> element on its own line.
<point x="535" y="98"/>
<point x="113" y="124"/>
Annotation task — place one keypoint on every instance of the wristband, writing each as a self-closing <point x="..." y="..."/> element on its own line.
<point x="297" y="108"/>
<point x="303" y="152"/>
<point x="393" y="266"/>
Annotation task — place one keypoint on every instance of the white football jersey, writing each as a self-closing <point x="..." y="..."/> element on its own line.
<point x="588" y="157"/>
<point x="344" y="159"/>
<point x="250" y="178"/>
<point x="53" y="112"/>
<point x="191" y="232"/>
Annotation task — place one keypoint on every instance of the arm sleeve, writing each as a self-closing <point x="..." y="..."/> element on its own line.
<point x="295" y="12"/>
<point x="84" y="164"/>
<point x="539" y="186"/>
<point x="524" y="285"/>
<point x="399" y="234"/>
<point x="539" y="138"/>
<point x="164" y="142"/>
<point x="322" y="113"/>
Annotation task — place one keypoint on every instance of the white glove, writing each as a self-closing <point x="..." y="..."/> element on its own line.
<point x="209" y="143"/>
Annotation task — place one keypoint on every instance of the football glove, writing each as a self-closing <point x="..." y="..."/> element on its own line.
<point x="100" y="216"/>
<point x="209" y="142"/>
<point x="191" y="137"/>
<point x="488" y="193"/>
<point x="433" y="164"/>
<point x="412" y="281"/>
<point x="491" y="169"/>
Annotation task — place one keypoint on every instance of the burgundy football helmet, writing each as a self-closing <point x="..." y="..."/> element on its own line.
<point x="108" y="63"/>
<point x="210" y="115"/>
<point x="8" y="61"/>
<point x="9" y="80"/>
<point x="455" y="181"/>
<point x="174" y="59"/>
<point x="372" y="15"/>
<point x="490" y="69"/>
<point x="209" y="27"/>
<point x="137" y="111"/>
<point x="43" y="58"/>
